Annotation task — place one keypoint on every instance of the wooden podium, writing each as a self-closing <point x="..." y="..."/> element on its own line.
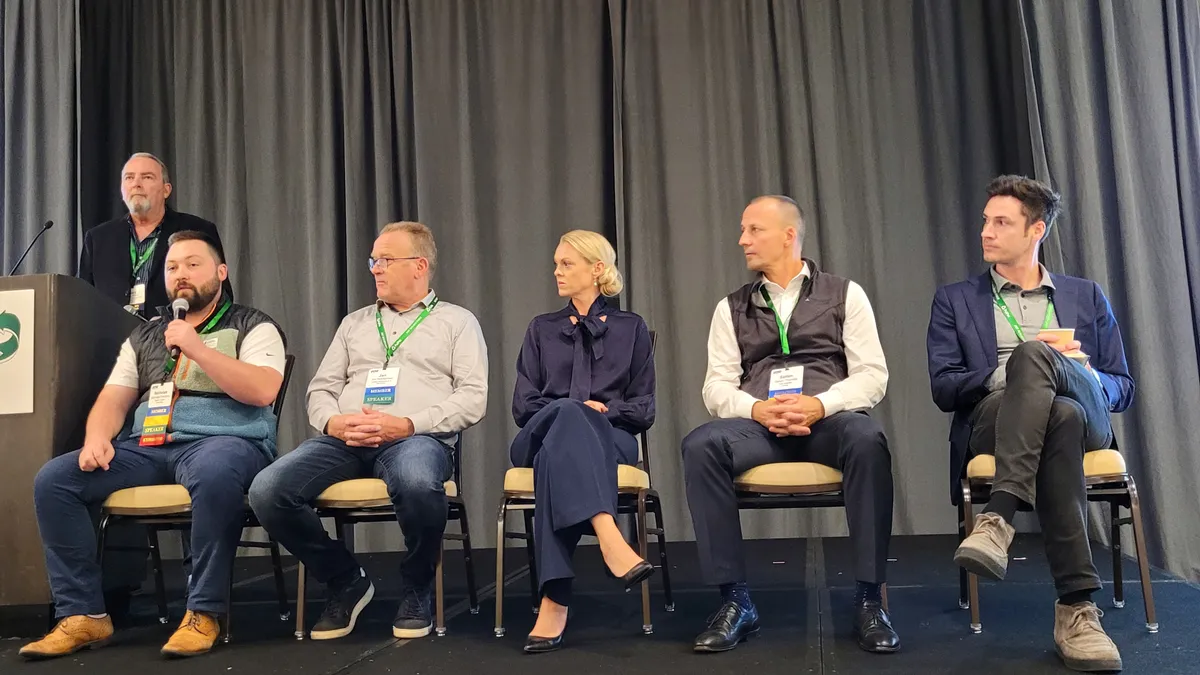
<point x="72" y="340"/>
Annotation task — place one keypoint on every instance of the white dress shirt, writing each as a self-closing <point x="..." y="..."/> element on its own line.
<point x="862" y="389"/>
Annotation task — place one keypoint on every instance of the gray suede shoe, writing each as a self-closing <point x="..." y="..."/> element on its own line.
<point x="1081" y="640"/>
<point x="985" y="550"/>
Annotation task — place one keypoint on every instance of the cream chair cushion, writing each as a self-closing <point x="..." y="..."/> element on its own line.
<point x="149" y="500"/>
<point x="167" y="499"/>
<point x="364" y="493"/>
<point x="1095" y="463"/>
<point x="629" y="478"/>
<point x="789" y="477"/>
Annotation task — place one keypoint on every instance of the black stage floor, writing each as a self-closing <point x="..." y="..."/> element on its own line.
<point x="802" y="588"/>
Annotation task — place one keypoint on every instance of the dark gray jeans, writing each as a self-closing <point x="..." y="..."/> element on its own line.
<point x="1051" y="411"/>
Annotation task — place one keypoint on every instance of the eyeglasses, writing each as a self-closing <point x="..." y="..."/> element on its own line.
<point x="372" y="262"/>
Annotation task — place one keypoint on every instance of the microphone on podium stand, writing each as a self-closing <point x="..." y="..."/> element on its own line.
<point x="49" y="224"/>
<point x="179" y="309"/>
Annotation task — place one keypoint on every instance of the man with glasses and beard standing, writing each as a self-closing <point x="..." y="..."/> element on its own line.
<point x="204" y="387"/>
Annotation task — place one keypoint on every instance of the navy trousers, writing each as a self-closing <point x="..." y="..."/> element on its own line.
<point x="574" y="452"/>
<point x="216" y="471"/>
<point x="851" y="442"/>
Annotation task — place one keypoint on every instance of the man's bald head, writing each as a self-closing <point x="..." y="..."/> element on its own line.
<point x="788" y="210"/>
<point x="772" y="230"/>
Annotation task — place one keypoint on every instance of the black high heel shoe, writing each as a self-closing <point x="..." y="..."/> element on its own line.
<point x="640" y="572"/>
<point x="541" y="645"/>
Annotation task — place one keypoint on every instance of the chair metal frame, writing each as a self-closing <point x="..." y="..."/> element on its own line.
<point x="384" y="511"/>
<point x="171" y="519"/>
<point x="1117" y="490"/>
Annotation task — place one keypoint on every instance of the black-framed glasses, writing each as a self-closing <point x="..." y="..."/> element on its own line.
<point x="372" y="262"/>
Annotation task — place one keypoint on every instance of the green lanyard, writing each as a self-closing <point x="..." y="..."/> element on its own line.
<point x="137" y="263"/>
<point x="169" y="366"/>
<point x="390" y="350"/>
<point x="778" y="321"/>
<point x="1008" y="315"/>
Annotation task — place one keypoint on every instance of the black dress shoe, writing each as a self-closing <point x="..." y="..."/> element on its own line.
<point x="541" y="645"/>
<point x="729" y="626"/>
<point x="874" y="628"/>
<point x="640" y="572"/>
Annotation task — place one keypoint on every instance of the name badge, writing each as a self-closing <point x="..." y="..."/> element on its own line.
<point x="137" y="295"/>
<point x="786" y="381"/>
<point x="158" y="414"/>
<point x="381" y="386"/>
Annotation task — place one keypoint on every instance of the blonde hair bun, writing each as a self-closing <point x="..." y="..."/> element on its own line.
<point x="595" y="248"/>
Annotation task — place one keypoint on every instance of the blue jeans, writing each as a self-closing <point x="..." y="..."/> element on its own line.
<point x="216" y="471"/>
<point x="414" y="469"/>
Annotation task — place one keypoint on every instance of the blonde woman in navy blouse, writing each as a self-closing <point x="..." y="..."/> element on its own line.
<point x="585" y="389"/>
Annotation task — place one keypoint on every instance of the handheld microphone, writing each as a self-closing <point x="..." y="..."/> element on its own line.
<point x="49" y="224"/>
<point x="179" y="309"/>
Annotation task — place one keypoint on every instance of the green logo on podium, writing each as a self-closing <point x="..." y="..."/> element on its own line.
<point x="10" y="335"/>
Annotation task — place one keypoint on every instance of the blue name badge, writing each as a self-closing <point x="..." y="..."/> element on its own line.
<point x="786" y="381"/>
<point x="381" y="386"/>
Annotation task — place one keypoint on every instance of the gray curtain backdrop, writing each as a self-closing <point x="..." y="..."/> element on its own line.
<point x="1114" y="109"/>
<point x="38" y="139"/>
<point x="301" y="127"/>
<point x="884" y="120"/>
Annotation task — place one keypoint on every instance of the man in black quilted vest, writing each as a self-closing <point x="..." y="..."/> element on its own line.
<point x="203" y="420"/>
<point x="794" y="364"/>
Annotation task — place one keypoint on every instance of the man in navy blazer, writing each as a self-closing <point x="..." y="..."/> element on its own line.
<point x="1036" y="398"/>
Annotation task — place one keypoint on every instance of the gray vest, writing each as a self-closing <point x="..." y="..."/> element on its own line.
<point x="150" y="345"/>
<point x="814" y="334"/>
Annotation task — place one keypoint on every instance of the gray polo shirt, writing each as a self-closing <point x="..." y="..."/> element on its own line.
<point x="443" y="364"/>
<point x="1028" y="308"/>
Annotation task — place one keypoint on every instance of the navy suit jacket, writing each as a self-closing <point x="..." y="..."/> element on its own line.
<point x="961" y="343"/>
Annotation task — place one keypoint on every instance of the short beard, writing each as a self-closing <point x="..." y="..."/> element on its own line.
<point x="201" y="295"/>
<point x="138" y="206"/>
